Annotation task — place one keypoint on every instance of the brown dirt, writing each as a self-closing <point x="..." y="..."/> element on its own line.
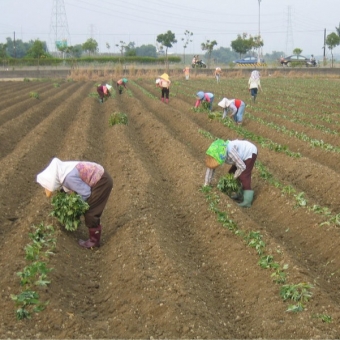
<point x="166" y="268"/>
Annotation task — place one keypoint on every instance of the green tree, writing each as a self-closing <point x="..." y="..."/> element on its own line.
<point x="242" y="44"/>
<point x="37" y="50"/>
<point x="332" y="41"/>
<point x="146" y="51"/>
<point x="186" y="40"/>
<point x="3" y="51"/>
<point x="108" y="47"/>
<point x="130" y="49"/>
<point x="338" y="30"/>
<point x="297" y="51"/>
<point x="167" y="39"/>
<point x="18" y="48"/>
<point x="90" y="46"/>
<point x="223" y="55"/>
<point x="122" y="47"/>
<point x="208" y="46"/>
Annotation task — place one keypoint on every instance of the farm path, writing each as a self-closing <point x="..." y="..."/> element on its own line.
<point x="166" y="268"/>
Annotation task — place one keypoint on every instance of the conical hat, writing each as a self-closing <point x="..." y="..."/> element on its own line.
<point x="165" y="76"/>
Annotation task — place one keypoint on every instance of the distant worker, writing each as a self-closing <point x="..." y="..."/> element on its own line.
<point x="121" y="83"/>
<point x="104" y="92"/>
<point x="254" y="84"/>
<point x="241" y="155"/>
<point x="164" y="83"/>
<point x="186" y="71"/>
<point x="204" y="97"/>
<point x="235" y="106"/>
<point x="218" y="73"/>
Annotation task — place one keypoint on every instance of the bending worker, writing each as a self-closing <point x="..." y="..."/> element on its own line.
<point x="242" y="155"/>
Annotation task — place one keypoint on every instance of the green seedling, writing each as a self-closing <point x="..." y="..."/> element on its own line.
<point x="206" y="134"/>
<point x="229" y="185"/>
<point x="26" y="300"/>
<point x="254" y="240"/>
<point x="118" y="118"/>
<point x="34" y="95"/>
<point x="298" y="292"/>
<point x="267" y="262"/>
<point x="68" y="208"/>
<point x="323" y="317"/>
<point x="299" y="307"/>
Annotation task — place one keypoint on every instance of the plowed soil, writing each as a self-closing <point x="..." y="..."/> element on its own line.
<point x="167" y="268"/>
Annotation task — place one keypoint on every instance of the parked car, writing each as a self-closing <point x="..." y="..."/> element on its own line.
<point x="297" y="59"/>
<point x="248" y="60"/>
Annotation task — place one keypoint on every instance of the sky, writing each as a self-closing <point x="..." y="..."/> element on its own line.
<point x="282" y="24"/>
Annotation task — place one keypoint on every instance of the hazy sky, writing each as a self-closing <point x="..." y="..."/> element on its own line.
<point x="283" y="24"/>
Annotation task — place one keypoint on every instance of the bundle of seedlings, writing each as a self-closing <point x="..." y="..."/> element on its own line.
<point x="68" y="208"/>
<point x="230" y="186"/>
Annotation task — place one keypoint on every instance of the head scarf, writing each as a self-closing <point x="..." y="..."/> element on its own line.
<point x="108" y="87"/>
<point x="255" y="75"/>
<point x="225" y="102"/>
<point x="218" y="150"/>
<point x="200" y="95"/>
<point x="158" y="80"/>
<point x="54" y="175"/>
<point x="124" y="80"/>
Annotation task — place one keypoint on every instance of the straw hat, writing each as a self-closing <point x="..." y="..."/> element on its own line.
<point x="165" y="76"/>
<point x="211" y="162"/>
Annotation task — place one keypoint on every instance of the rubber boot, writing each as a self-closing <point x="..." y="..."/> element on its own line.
<point x="167" y="100"/>
<point x="248" y="196"/>
<point x="120" y="91"/>
<point x="94" y="238"/>
<point x="162" y="99"/>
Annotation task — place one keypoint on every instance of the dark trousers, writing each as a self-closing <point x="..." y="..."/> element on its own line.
<point x="245" y="177"/>
<point x="100" y="193"/>
<point x="165" y="92"/>
<point x="100" y="92"/>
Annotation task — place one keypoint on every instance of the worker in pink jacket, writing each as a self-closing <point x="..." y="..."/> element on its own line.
<point x="204" y="97"/>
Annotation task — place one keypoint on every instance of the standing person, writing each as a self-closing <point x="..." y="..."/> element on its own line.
<point x="236" y="106"/>
<point x="217" y="74"/>
<point x="194" y="60"/>
<point x="254" y="84"/>
<point x="186" y="71"/>
<point x="90" y="181"/>
<point x="104" y="92"/>
<point x="242" y="155"/>
<point x="204" y="97"/>
<point x="164" y="83"/>
<point x="121" y="83"/>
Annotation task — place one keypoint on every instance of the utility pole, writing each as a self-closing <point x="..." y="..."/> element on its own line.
<point x="14" y="47"/>
<point x="259" y="55"/>
<point x="324" y="46"/>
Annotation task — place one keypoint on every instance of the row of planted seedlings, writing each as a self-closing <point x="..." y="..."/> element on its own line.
<point x="299" y="293"/>
<point x="67" y="209"/>
<point x="319" y="143"/>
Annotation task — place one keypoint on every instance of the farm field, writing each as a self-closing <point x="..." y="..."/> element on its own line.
<point x="177" y="261"/>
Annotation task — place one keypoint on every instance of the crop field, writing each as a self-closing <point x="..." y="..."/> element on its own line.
<point x="176" y="260"/>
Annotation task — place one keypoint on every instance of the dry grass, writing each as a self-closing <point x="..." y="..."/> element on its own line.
<point x="133" y="71"/>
